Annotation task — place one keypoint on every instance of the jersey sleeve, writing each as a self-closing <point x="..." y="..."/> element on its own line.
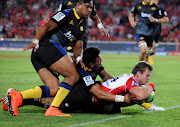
<point x="134" y="10"/>
<point x="59" y="18"/>
<point x="85" y="77"/>
<point x="93" y="13"/>
<point x="131" y="83"/>
<point x="164" y="13"/>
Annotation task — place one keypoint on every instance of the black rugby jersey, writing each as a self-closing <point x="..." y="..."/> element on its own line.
<point x="79" y="98"/>
<point x="161" y="13"/>
<point x="70" y="28"/>
<point x="87" y="78"/>
<point x="143" y="11"/>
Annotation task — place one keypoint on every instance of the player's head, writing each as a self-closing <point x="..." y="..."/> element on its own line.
<point x="91" y="57"/>
<point x="155" y="2"/>
<point x="84" y="8"/>
<point x="142" y="72"/>
<point x="147" y="1"/>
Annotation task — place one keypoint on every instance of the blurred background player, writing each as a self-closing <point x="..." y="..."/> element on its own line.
<point x="146" y="11"/>
<point x="163" y="18"/>
<point x="68" y="4"/>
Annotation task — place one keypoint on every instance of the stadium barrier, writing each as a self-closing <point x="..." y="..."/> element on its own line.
<point x="168" y="48"/>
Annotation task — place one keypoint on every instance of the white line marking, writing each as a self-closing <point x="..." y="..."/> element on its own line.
<point x="118" y="117"/>
<point x="102" y="120"/>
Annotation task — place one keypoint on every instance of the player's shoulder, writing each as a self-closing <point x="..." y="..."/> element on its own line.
<point x="138" y="4"/>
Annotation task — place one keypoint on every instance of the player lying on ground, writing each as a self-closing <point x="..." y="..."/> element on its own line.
<point x="82" y="100"/>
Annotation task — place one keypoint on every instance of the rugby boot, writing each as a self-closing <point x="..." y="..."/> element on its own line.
<point x="5" y="103"/>
<point x="53" y="111"/>
<point x="15" y="101"/>
<point x="155" y="108"/>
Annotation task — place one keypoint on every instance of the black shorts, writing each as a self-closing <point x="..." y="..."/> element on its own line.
<point x="46" y="55"/>
<point x="147" y="39"/>
<point x="78" y="100"/>
<point x="156" y="37"/>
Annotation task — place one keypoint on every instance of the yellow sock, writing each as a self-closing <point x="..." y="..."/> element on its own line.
<point x="32" y="93"/>
<point x="146" y="105"/>
<point x="60" y="96"/>
<point x="151" y="59"/>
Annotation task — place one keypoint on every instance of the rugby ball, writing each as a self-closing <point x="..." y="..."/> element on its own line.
<point x="150" y="98"/>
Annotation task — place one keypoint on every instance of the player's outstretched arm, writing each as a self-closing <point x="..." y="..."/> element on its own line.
<point x="50" y="25"/>
<point x="142" y="93"/>
<point x="101" y="94"/>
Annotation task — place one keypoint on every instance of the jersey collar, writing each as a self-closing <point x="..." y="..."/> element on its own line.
<point x="75" y="13"/>
<point x="145" y="3"/>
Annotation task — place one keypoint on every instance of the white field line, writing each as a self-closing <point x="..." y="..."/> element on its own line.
<point x="118" y="117"/>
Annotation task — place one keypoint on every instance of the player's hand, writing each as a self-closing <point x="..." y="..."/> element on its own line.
<point x="153" y="86"/>
<point x="82" y="65"/>
<point x="104" y="32"/>
<point x="30" y="46"/>
<point x="134" y="24"/>
<point x="151" y="19"/>
<point x="128" y="98"/>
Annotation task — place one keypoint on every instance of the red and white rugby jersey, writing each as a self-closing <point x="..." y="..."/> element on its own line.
<point x="120" y="85"/>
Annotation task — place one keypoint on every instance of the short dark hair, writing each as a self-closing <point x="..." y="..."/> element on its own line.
<point x="141" y="67"/>
<point x="84" y="1"/>
<point x="89" y="55"/>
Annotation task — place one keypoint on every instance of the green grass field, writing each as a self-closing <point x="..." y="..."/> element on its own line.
<point x="17" y="72"/>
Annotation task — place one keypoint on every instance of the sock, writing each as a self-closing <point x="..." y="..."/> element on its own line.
<point x="37" y="92"/>
<point x="34" y="102"/>
<point x="145" y="105"/>
<point x="63" y="91"/>
<point x="151" y="59"/>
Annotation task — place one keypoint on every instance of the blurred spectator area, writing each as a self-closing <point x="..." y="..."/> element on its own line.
<point x="21" y="18"/>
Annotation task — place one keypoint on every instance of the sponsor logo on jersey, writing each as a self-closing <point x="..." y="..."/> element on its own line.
<point x="153" y="8"/>
<point x="69" y="3"/>
<point x="145" y="15"/>
<point x="69" y="36"/>
<point x="81" y="28"/>
<point x="71" y="22"/>
<point x="139" y="7"/>
<point x="59" y="16"/>
<point x="88" y="80"/>
<point x="141" y="38"/>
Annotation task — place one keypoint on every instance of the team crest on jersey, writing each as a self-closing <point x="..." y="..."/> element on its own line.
<point x="69" y="3"/>
<point x="88" y="80"/>
<point x="139" y="7"/>
<point x="69" y="48"/>
<point x="71" y="22"/>
<point x="59" y="16"/>
<point x="153" y="8"/>
<point x="81" y="28"/>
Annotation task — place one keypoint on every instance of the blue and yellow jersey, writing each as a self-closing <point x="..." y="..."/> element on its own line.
<point x="143" y="11"/>
<point x="69" y="30"/>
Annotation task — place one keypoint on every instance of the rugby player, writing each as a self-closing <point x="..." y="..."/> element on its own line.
<point x="68" y="4"/>
<point x="163" y="18"/>
<point x="50" y="56"/>
<point x="146" y="12"/>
